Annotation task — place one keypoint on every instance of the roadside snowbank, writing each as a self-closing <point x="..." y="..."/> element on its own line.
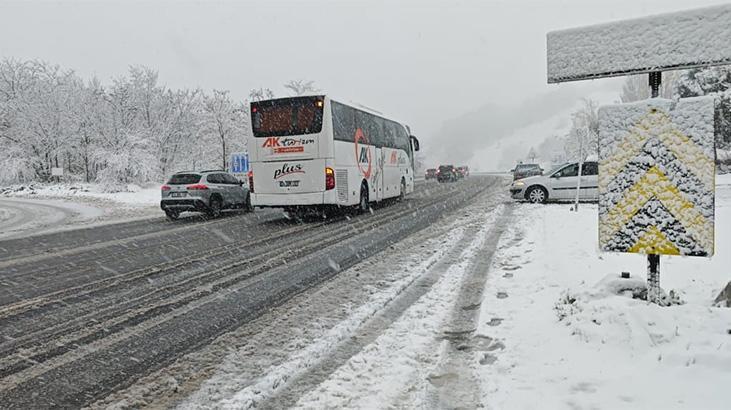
<point x="36" y="208"/>
<point x="571" y="343"/>
<point x="133" y="196"/>
<point x="20" y="216"/>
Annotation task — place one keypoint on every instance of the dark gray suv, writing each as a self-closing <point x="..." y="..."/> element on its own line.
<point x="203" y="191"/>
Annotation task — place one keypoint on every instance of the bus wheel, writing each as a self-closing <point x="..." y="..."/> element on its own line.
<point x="214" y="208"/>
<point x="247" y="205"/>
<point x="363" y="205"/>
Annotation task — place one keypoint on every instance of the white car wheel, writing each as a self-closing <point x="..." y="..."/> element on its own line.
<point x="537" y="195"/>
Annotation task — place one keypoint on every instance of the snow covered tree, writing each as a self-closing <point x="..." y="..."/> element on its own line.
<point x="259" y="94"/>
<point x="552" y="150"/>
<point x="134" y="130"/>
<point x="532" y="155"/>
<point x="711" y="81"/>
<point x="582" y="139"/>
<point x="40" y="98"/>
<point x="301" y="87"/>
<point x="226" y="122"/>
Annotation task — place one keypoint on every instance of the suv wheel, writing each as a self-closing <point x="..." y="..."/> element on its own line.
<point x="537" y="195"/>
<point x="214" y="208"/>
<point x="172" y="214"/>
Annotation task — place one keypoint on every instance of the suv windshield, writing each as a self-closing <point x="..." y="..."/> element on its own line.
<point x="287" y="116"/>
<point x="184" y="179"/>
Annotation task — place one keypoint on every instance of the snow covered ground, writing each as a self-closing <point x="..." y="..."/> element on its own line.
<point x="33" y="209"/>
<point x="531" y="348"/>
<point x="503" y="306"/>
<point x="603" y="351"/>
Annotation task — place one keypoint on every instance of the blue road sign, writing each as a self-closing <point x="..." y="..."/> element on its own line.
<point x="240" y="163"/>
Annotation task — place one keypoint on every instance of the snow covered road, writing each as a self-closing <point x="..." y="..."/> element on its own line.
<point x="372" y="335"/>
<point x="492" y="304"/>
<point x="126" y="301"/>
<point x="21" y="217"/>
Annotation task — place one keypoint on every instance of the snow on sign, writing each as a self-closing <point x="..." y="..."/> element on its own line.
<point x="668" y="41"/>
<point x="656" y="177"/>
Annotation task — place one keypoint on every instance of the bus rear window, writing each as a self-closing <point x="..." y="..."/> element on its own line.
<point x="287" y="116"/>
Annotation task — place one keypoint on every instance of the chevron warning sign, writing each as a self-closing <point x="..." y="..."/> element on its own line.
<point x="656" y="177"/>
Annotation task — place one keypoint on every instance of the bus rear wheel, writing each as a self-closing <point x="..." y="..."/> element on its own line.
<point x="363" y="204"/>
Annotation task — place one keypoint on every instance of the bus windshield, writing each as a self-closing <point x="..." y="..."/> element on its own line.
<point x="287" y="116"/>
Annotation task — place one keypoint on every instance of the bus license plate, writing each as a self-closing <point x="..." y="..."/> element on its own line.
<point x="286" y="184"/>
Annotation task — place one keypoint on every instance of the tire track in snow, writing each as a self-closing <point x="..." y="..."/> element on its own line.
<point x="162" y="335"/>
<point x="291" y="387"/>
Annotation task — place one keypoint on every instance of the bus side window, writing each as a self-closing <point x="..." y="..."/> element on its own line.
<point x="379" y="132"/>
<point x="389" y="132"/>
<point x="364" y="121"/>
<point x="404" y="141"/>
<point x="343" y="122"/>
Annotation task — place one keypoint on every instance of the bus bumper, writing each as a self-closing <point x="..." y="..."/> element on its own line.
<point x="287" y="200"/>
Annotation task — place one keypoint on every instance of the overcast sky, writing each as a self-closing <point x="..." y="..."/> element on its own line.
<point x="419" y="61"/>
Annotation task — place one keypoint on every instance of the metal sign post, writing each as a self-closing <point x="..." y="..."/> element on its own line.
<point x="578" y="179"/>
<point x="654" y="291"/>
<point x="656" y="157"/>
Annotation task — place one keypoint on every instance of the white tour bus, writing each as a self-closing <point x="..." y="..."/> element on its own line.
<point x="315" y="153"/>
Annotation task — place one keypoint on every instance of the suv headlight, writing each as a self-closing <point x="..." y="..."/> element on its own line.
<point x="518" y="183"/>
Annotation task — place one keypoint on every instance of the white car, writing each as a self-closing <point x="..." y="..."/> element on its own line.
<point x="559" y="184"/>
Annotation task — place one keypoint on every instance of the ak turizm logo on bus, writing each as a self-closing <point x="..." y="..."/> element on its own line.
<point x="281" y="145"/>
<point x="362" y="153"/>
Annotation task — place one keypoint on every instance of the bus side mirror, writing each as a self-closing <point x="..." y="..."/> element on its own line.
<point x="415" y="143"/>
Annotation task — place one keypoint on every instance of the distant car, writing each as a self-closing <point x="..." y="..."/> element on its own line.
<point x="447" y="173"/>
<point x="205" y="191"/>
<point x="559" y="184"/>
<point x="431" y="173"/>
<point x="526" y="170"/>
<point x="464" y="171"/>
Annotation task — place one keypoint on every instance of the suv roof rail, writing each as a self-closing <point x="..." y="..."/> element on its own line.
<point x="213" y="170"/>
<point x="186" y="172"/>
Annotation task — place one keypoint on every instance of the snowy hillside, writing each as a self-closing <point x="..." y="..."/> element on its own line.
<point x="535" y="124"/>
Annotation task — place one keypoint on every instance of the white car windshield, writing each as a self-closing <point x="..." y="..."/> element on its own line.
<point x="556" y="169"/>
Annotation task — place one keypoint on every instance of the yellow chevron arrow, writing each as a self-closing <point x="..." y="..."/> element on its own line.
<point x="654" y="241"/>
<point x="656" y="184"/>
<point x="657" y="124"/>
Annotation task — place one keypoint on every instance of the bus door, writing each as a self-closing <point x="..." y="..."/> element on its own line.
<point x="380" y="175"/>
